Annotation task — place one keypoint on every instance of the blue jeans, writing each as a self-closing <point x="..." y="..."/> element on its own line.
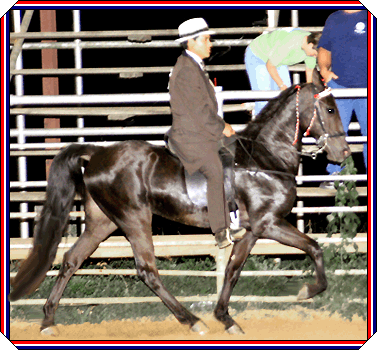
<point x="346" y="106"/>
<point x="259" y="77"/>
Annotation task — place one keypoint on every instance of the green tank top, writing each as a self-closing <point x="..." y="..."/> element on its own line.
<point x="282" y="47"/>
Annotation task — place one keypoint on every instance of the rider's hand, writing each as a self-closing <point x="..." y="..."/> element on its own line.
<point x="228" y="130"/>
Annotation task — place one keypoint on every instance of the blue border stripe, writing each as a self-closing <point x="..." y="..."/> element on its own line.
<point x="6" y="170"/>
<point x="200" y="345"/>
<point x="373" y="232"/>
<point x="176" y="7"/>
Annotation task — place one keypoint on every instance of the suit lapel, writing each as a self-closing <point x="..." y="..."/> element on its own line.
<point x="205" y="77"/>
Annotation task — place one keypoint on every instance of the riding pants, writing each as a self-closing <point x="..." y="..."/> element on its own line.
<point x="218" y="211"/>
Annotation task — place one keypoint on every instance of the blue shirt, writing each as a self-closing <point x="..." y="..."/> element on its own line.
<point x="345" y="35"/>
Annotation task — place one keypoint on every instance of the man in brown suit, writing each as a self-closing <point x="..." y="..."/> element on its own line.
<point x="197" y="129"/>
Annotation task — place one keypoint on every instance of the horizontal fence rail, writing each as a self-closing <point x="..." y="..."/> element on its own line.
<point x="134" y="34"/>
<point x="159" y="97"/>
<point x="187" y="245"/>
<point x="190" y="245"/>
<point x="200" y="299"/>
<point x="133" y="72"/>
<point x="267" y="273"/>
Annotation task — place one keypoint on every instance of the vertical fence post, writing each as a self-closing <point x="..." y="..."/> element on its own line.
<point x="222" y="259"/>
<point x="20" y="120"/>
<point x="220" y="101"/>
<point x="222" y="254"/>
<point x="50" y="85"/>
<point x="79" y="89"/>
<point x="273" y="18"/>
<point x="294" y="18"/>
<point x="17" y="47"/>
<point x="79" y="86"/>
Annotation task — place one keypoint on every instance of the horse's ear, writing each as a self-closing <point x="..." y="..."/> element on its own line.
<point x="317" y="79"/>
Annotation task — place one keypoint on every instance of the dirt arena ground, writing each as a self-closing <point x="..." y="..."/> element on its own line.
<point x="257" y="325"/>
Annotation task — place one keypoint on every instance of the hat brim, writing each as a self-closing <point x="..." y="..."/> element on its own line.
<point x="185" y="38"/>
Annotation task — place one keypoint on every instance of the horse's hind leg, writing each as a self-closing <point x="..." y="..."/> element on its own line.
<point x="97" y="228"/>
<point x="285" y="233"/>
<point x="136" y="225"/>
<point x="240" y="252"/>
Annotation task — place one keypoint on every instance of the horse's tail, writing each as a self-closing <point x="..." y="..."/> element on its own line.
<point x="65" y="180"/>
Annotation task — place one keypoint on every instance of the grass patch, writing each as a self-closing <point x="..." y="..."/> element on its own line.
<point x="341" y="289"/>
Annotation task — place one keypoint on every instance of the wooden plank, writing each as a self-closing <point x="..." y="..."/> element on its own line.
<point x="150" y="32"/>
<point x="180" y="245"/>
<point x="92" y="111"/>
<point x="355" y="148"/>
<point x="247" y="273"/>
<point x="126" y="72"/>
<point x="309" y="192"/>
<point x="182" y="299"/>
<point x="321" y="192"/>
<point x="111" y="112"/>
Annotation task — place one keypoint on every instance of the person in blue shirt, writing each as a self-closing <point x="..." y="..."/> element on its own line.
<point x="343" y="62"/>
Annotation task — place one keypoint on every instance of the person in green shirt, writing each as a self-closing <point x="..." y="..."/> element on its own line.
<point x="268" y="56"/>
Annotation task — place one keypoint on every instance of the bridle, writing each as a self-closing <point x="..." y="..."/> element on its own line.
<point x="322" y="141"/>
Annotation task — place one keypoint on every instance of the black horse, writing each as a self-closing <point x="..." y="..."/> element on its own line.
<point x="123" y="185"/>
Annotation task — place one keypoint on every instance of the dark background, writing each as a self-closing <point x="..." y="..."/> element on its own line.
<point x="146" y="19"/>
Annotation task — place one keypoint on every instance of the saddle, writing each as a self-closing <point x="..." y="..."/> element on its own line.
<point x="196" y="184"/>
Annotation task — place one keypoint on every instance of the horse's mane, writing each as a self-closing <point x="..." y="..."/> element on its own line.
<point x="269" y="111"/>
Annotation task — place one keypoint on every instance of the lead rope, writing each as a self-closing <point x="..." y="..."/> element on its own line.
<point x="298" y="87"/>
<point x="318" y="96"/>
<point x="307" y="132"/>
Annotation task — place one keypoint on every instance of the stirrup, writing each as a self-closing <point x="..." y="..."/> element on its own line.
<point x="228" y="236"/>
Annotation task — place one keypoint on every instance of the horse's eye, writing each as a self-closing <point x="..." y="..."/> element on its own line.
<point x="331" y="110"/>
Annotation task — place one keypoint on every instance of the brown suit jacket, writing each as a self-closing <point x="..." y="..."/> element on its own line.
<point x="196" y="127"/>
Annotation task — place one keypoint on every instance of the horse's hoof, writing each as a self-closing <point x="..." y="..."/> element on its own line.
<point x="303" y="294"/>
<point x="49" y="331"/>
<point x="200" y="327"/>
<point x="235" y="329"/>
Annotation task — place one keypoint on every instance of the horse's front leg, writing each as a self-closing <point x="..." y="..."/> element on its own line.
<point x="285" y="233"/>
<point x="240" y="252"/>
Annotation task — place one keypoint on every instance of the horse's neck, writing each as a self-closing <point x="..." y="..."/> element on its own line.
<point x="273" y="145"/>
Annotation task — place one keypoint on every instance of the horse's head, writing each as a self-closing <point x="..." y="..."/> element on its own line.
<point x="323" y="121"/>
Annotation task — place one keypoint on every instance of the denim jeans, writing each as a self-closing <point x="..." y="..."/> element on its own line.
<point x="346" y="106"/>
<point x="259" y="77"/>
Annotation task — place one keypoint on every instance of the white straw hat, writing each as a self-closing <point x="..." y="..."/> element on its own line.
<point x="193" y="28"/>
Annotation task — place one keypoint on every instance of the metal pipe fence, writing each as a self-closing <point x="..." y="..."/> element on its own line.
<point x="21" y="134"/>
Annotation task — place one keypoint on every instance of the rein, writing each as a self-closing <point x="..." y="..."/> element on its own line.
<point x="277" y="172"/>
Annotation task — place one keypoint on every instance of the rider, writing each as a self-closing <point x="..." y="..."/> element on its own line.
<point x="197" y="131"/>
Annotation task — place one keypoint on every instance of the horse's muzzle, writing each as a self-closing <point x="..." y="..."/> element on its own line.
<point x="337" y="148"/>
